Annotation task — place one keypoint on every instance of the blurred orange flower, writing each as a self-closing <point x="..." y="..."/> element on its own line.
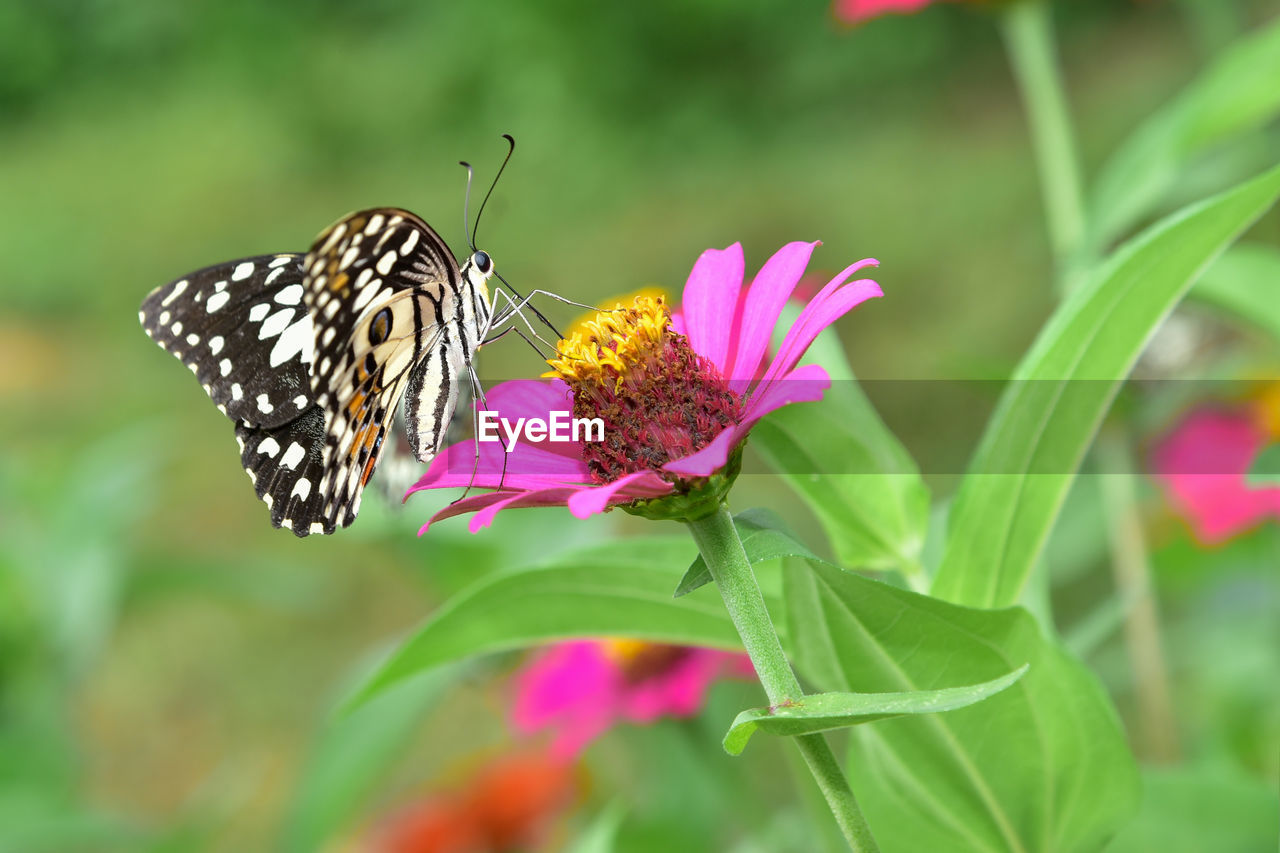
<point x="509" y="804"/>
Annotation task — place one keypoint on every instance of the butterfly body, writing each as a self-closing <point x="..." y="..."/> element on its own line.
<point x="310" y="355"/>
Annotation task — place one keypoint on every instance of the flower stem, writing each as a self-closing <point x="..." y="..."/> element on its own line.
<point x="722" y="549"/>
<point x="1027" y="27"/>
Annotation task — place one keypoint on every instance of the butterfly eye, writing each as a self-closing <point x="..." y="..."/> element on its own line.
<point x="380" y="328"/>
<point x="482" y="262"/>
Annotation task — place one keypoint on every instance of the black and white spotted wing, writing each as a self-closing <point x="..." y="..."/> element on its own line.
<point x="310" y="356"/>
<point x="243" y="330"/>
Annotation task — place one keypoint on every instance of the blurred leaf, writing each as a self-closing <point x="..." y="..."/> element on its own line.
<point x="1238" y="93"/>
<point x="876" y="508"/>
<point x="1042" y="765"/>
<point x="622" y="588"/>
<point x="1265" y="470"/>
<point x="30" y="823"/>
<point x="1190" y="811"/>
<point x="822" y="712"/>
<point x="352" y="754"/>
<point x="600" y="836"/>
<point x="1245" y="281"/>
<point x="1048" y="415"/>
<point x="764" y="537"/>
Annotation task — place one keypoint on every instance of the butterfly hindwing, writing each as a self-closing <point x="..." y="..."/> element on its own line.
<point x="242" y="328"/>
<point x="286" y="464"/>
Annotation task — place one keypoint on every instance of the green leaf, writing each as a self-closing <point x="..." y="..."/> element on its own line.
<point x="621" y="588"/>
<point x="875" y="508"/>
<point x="1041" y="766"/>
<point x="1246" y="282"/>
<point x="1054" y="404"/>
<point x="351" y="755"/>
<point x="1265" y="470"/>
<point x="1190" y="811"/>
<point x="822" y="712"/>
<point x="1238" y="93"/>
<point x="764" y="537"/>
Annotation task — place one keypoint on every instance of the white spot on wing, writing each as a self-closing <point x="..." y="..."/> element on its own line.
<point x="225" y="366"/>
<point x="280" y="261"/>
<point x="386" y="262"/>
<point x="217" y="301"/>
<point x="257" y="312"/>
<point x="364" y="297"/>
<point x="178" y="290"/>
<point x="290" y="295"/>
<point x="327" y="337"/>
<point x="374" y="223"/>
<point x="236" y="391"/>
<point x="300" y="401"/>
<point x="317" y="527"/>
<point x="297" y="341"/>
<point x="331" y="309"/>
<point x="193" y="339"/>
<point x="275" y="324"/>
<point x="269" y="446"/>
<point x="293" y="455"/>
<point x="215" y="344"/>
<point x="409" y="242"/>
<point x="164" y="318"/>
<point x="302" y="489"/>
<point x="177" y="327"/>
<point x="264" y="404"/>
<point x="242" y="272"/>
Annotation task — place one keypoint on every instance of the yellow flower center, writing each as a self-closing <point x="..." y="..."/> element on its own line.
<point x="606" y="346"/>
<point x="1267" y="409"/>
<point x="640" y="661"/>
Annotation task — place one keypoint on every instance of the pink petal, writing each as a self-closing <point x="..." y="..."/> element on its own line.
<point x="640" y="484"/>
<point x="710" y="298"/>
<point x="488" y="504"/>
<point x="1203" y="466"/>
<point x="527" y="466"/>
<point x="569" y="688"/>
<point x="769" y="292"/>
<point x="856" y="11"/>
<point x="827" y="307"/>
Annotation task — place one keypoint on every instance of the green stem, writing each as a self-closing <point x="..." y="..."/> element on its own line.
<point x="722" y="549"/>
<point x="1027" y="27"/>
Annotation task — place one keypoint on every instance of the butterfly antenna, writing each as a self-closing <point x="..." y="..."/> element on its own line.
<point x="466" y="205"/>
<point x="511" y="150"/>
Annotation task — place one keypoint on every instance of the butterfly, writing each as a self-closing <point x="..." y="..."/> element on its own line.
<point x="310" y="355"/>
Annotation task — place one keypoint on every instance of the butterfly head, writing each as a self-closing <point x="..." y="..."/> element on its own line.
<point x="478" y="270"/>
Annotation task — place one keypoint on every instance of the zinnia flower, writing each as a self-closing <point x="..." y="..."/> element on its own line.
<point x="677" y="395"/>
<point x="1203" y="466"/>
<point x="507" y="805"/>
<point x="581" y="689"/>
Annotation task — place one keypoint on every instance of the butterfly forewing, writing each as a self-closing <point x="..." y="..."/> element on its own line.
<point x="375" y="283"/>
<point x="244" y="331"/>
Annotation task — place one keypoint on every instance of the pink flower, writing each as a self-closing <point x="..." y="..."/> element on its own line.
<point x="1202" y="466"/>
<point x="581" y="689"/>
<point x="857" y="11"/>
<point x="678" y="395"/>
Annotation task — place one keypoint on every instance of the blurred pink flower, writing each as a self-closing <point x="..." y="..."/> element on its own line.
<point x="644" y="372"/>
<point x="1202" y="465"/>
<point x="581" y="689"/>
<point x="856" y="11"/>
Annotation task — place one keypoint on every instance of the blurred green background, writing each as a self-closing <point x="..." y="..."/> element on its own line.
<point x="166" y="658"/>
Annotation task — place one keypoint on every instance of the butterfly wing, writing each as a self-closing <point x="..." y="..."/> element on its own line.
<point x="286" y="464"/>
<point x="243" y="331"/>
<point x="378" y="283"/>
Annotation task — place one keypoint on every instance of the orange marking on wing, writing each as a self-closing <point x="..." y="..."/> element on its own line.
<point x="357" y="403"/>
